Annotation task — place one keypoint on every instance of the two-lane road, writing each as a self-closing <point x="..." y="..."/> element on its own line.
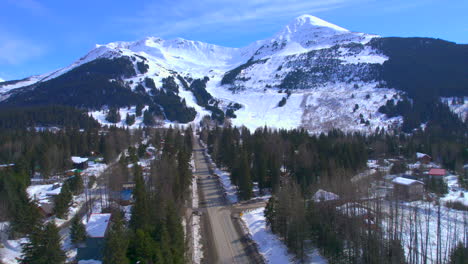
<point x="222" y="237"/>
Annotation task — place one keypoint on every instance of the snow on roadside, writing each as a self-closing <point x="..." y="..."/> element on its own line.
<point x="197" y="238"/>
<point x="230" y="189"/>
<point x="269" y="245"/>
<point x="196" y="228"/>
<point x="272" y="249"/>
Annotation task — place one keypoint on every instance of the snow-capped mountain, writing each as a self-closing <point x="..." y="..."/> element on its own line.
<point x="311" y="74"/>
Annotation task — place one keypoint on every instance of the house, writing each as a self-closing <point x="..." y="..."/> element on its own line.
<point x="407" y="189"/>
<point x="423" y="158"/>
<point x="79" y="163"/>
<point x="323" y="196"/>
<point x="6" y="166"/>
<point x="96" y="229"/>
<point x="437" y="173"/>
<point x="46" y="209"/>
<point x="126" y="197"/>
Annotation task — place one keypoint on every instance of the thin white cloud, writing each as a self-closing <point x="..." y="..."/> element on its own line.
<point x="173" y="18"/>
<point x="16" y="50"/>
<point x="33" y="6"/>
<point x="2" y="80"/>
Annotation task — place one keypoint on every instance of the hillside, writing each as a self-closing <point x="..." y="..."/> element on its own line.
<point x="311" y="74"/>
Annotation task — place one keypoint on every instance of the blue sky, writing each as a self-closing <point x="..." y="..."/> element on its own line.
<point x="38" y="36"/>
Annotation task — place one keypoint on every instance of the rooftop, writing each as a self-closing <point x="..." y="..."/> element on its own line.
<point x="76" y="159"/>
<point x="405" y="181"/>
<point x="97" y="225"/>
<point x="437" y="172"/>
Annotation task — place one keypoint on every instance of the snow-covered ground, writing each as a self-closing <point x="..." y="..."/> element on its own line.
<point x="229" y="188"/>
<point x="196" y="227"/>
<point x="100" y="116"/>
<point x="269" y="245"/>
<point x="458" y="107"/>
<point x="451" y="223"/>
<point x="43" y="192"/>
<point x="455" y="192"/>
<point x="319" y="109"/>
<point x="11" y="251"/>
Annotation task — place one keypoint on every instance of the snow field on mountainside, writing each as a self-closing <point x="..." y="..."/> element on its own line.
<point x="460" y="109"/>
<point x="319" y="109"/>
<point x="100" y="116"/>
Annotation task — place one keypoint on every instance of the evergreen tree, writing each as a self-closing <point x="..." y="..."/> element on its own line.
<point x="143" y="249"/>
<point x="459" y="254"/>
<point x="23" y="213"/>
<point x="62" y="202"/>
<point x="77" y="230"/>
<point x="174" y="227"/>
<point x="43" y="246"/>
<point x="138" y="110"/>
<point x="140" y="209"/>
<point x="148" y="118"/>
<point x="75" y="184"/>
<point x="129" y="119"/>
<point x="245" y="181"/>
<point x="116" y="244"/>
<point x="113" y="115"/>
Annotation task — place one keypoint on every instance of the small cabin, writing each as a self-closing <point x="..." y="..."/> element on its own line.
<point x="96" y="230"/>
<point x="423" y="158"/>
<point x="46" y="209"/>
<point x="6" y="166"/>
<point x="437" y="173"/>
<point x="79" y="163"/>
<point x="324" y="196"/>
<point x="407" y="189"/>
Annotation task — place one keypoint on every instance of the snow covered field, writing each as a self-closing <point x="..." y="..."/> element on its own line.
<point x="455" y="192"/>
<point x="272" y="249"/>
<point x="419" y="217"/>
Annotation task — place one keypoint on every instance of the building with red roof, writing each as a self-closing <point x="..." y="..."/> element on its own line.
<point x="439" y="173"/>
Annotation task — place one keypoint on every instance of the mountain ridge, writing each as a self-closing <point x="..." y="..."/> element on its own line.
<point x="310" y="74"/>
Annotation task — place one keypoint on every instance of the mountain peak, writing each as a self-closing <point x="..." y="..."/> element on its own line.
<point x="309" y="20"/>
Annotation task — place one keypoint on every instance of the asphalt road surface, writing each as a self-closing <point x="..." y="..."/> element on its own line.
<point x="223" y="239"/>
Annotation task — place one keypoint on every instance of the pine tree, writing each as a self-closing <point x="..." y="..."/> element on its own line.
<point x="116" y="244"/>
<point x="138" y="110"/>
<point x="148" y="118"/>
<point x="62" y="201"/>
<point x="129" y="119"/>
<point x="143" y="248"/>
<point x="140" y="209"/>
<point x="459" y="254"/>
<point x="245" y="181"/>
<point x="174" y="227"/>
<point x="43" y="246"/>
<point x="23" y="212"/>
<point x="113" y="115"/>
<point x="75" y="184"/>
<point x="77" y="230"/>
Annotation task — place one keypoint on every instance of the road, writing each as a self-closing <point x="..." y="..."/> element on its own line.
<point x="224" y="238"/>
